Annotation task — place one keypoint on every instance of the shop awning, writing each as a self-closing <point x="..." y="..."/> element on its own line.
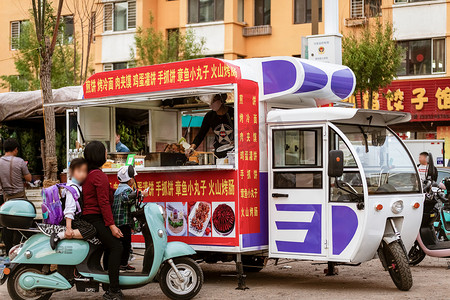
<point x="24" y="105"/>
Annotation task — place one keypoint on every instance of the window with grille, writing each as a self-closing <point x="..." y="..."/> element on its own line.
<point x="119" y="16"/>
<point x="16" y="29"/>
<point x="365" y="8"/>
<point x="115" y="66"/>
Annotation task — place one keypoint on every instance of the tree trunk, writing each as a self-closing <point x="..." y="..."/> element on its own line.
<point x="51" y="161"/>
<point x="370" y="104"/>
<point x="361" y="94"/>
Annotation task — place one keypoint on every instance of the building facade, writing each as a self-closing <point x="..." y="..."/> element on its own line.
<point x="235" y="29"/>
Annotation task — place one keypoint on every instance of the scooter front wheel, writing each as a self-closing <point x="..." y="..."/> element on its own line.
<point x="191" y="283"/>
<point x="398" y="265"/>
<point x="17" y="293"/>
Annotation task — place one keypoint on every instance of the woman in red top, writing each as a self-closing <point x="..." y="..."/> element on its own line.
<point x="97" y="211"/>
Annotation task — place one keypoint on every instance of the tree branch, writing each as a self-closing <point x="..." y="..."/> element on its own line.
<point x="56" y="29"/>
<point x="36" y="20"/>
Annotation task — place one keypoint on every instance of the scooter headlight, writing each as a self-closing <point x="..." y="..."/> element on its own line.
<point x="14" y="251"/>
<point x="397" y="207"/>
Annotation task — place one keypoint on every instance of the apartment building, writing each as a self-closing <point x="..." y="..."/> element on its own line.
<point x="236" y="29"/>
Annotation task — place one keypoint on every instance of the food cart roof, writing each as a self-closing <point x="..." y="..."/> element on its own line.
<point x="351" y="115"/>
<point x="280" y="79"/>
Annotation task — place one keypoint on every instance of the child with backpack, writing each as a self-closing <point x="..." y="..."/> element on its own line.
<point x="122" y="211"/>
<point x="76" y="228"/>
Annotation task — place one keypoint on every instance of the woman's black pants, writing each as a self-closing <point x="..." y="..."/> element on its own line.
<point x="113" y="247"/>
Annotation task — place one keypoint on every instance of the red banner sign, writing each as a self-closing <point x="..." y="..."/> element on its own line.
<point x="200" y="207"/>
<point x="177" y="75"/>
<point x="425" y="99"/>
<point x="248" y="156"/>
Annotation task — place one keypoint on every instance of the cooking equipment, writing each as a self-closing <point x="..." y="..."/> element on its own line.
<point x="160" y="159"/>
<point x="206" y="158"/>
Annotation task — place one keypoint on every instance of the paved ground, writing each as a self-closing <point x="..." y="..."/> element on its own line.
<point x="294" y="280"/>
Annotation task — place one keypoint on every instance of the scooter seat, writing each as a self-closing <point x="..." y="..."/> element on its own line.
<point x="439" y="245"/>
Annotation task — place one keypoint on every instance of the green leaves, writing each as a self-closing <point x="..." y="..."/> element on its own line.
<point x="131" y="137"/>
<point x="374" y="57"/>
<point x="26" y="58"/>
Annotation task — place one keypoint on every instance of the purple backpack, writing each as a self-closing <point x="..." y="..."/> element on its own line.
<point x="53" y="205"/>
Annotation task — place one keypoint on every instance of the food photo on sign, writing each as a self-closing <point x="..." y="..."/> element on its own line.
<point x="223" y="219"/>
<point x="176" y="219"/>
<point x="199" y="219"/>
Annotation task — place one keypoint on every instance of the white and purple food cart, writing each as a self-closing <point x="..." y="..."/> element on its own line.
<point x="276" y="199"/>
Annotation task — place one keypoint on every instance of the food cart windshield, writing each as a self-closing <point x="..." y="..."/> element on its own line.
<point x="387" y="165"/>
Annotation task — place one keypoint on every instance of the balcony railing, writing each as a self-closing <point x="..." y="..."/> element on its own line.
<point x="257" y="30"/>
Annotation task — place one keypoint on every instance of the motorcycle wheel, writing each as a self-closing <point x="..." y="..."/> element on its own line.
<point x="398" y="265"/>
<point x="416" y="254"/>
<point x="175" y="289"/>
<point x="17" y="293"/>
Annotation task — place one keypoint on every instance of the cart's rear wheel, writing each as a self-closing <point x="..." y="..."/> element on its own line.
<point x="416" y="254"/>
<point x="398" y="265"/>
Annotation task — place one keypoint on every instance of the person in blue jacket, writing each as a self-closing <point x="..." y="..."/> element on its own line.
<point x="120" y="147"/>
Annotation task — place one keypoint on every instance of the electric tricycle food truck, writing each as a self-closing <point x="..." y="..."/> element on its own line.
<point x="308" y="182"/>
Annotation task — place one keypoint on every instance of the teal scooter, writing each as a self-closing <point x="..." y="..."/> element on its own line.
<point x="32" y="274"/>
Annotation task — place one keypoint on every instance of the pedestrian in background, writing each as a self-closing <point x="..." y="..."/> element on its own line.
<point x="13" y="172"/>
<point x="423" y="168"/>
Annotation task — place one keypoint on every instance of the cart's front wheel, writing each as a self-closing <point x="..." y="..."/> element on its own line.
<point x="416" y="254"/>
<point x="191" y="283"/>
<point x="398" y="265"/>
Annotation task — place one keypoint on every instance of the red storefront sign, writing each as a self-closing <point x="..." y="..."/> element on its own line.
<point x="425" y="99"/>
<point x="177" y="75"/>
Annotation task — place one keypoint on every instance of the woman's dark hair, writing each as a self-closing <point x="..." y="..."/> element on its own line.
<point x="10" y="145"/>
<point x="94" y="153"/>
<point x="77" y="163"/>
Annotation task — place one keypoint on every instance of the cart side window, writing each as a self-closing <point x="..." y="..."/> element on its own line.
<point x="351" y="174"/>
<point x="297" y="180"/>
<point x="297" y="148"/>
<point x="386" y="163"/>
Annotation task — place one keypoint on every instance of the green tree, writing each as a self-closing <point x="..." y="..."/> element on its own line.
<point x="27" y="61"/>
<point x="152" y="48"/>
<point x="374" y="57"/>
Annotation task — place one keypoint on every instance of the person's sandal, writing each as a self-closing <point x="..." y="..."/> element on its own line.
<point x="54" y="239"/>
